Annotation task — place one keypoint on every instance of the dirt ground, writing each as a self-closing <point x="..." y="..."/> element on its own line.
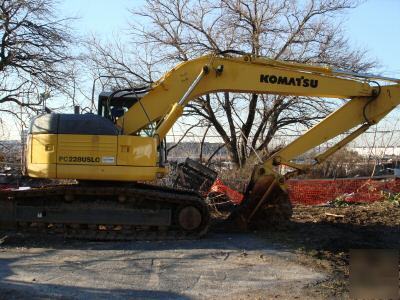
<point x="323" y="236"/>
<point x="305" y="259"/>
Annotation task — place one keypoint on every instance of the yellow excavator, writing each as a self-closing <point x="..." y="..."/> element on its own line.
<point x="113" y="153"/>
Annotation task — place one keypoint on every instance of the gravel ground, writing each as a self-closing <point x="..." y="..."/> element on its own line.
<point x="221" y="265"/>
<point x="306" y="259"/>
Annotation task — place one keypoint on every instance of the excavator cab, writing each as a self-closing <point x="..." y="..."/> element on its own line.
<point x="113" y="105"/>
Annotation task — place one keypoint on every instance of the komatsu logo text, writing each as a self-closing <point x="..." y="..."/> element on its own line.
<point x="295" y="81"/>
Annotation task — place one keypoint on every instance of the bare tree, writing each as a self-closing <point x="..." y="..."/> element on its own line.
<point x="306" y="31"/>
<point x="35" y="61"/>
<point x="118" y="64"/>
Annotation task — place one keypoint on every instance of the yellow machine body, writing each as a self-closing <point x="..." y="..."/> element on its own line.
<point x="93" y="157"/>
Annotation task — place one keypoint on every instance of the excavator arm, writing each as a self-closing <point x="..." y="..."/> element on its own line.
<point x="361" y="113"/>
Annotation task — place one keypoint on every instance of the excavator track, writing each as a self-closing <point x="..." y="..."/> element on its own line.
<point x="134" y="212"/>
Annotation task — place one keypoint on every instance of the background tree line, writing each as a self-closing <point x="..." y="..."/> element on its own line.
<point x="37" y="64"/>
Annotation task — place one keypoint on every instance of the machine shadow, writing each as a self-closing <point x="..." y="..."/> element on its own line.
<point x="17" y="290"/>
<point x="325" y="235"/>
<point x="12" y="289"/>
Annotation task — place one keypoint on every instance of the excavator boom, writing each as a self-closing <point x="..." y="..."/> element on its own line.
<point x="238" y="74"/>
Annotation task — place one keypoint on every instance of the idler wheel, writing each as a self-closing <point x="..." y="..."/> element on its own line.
<point x="189" y="218"/>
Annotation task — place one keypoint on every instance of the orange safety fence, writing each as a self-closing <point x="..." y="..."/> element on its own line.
<point x="322" y="191"/>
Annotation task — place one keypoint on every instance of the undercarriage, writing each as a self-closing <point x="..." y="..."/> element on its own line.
<point x="121" y="212"/>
